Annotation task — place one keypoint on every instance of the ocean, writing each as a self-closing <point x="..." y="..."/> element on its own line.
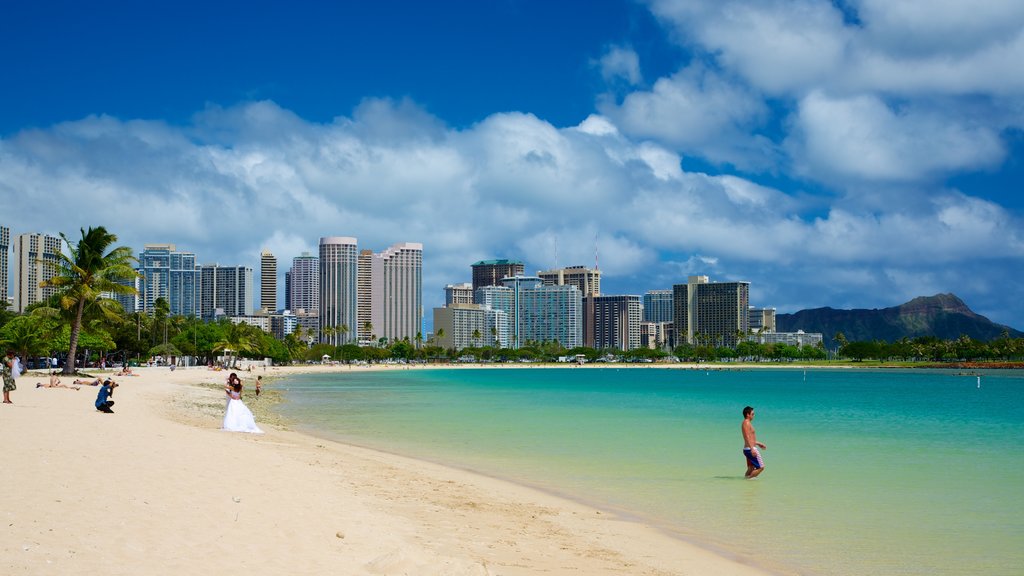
<point x="867" y="471"/>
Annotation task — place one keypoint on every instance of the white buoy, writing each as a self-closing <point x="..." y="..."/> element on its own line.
<point x="979" y="381"/>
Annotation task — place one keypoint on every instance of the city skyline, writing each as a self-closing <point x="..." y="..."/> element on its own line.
<point x="846" y="154"/>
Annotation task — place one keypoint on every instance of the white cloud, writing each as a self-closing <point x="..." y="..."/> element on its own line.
<point x="863" y="138"/>
<point x="621" y="63"/>
<point x="506" y="187"/>
<point x="696" y="110"/>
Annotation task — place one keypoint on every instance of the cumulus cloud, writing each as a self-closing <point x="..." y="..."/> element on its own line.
<point x="863" y="138"/>
<point x="697" y="110"/>
<point x="253" y="176"/>
<point x="621" y="64"/>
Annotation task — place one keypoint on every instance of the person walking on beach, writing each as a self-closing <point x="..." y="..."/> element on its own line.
<point x="751" y="447"/>
<point x="259" y="383"/>
<point x="10" y="367"/>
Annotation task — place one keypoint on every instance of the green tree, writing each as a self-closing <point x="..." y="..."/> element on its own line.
<point x="86" y="272"/>
<point x="238" y="338"/>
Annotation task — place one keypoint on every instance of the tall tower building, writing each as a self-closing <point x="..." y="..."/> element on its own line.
<point x="225" y="290"/>
<point x="397" y="291"/>
<point x="658" y="306"/>
<point x="5" y="249"/>
<point x="304" y="284"/>
<point x="30" y="251"/>
<point x="611" y="322"/>
<point x="167" y="273"/>
<point x="367" y="326"/>
<point x="268" y="282"/>
<point x="339" y="266"/>
<point x="490" y="272"/>
<point x="458" y="294"/>
<point x="586" y="280"/>
<point x="711" y="313"/>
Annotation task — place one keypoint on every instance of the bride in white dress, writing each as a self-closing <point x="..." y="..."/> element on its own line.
<point x="237" y="416"/>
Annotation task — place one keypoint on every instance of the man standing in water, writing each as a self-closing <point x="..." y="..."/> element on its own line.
<point x="751" y="447"/>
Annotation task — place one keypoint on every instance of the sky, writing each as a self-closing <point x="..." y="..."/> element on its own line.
<point x="852" y="154"/>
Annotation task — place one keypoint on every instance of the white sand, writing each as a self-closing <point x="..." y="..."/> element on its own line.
<point x="157" y="488"/>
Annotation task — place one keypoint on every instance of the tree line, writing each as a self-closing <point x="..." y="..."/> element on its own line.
<point x="82" y="324"/>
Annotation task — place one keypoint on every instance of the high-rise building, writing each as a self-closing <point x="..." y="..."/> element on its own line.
<point x="611" y="322"/>
<point x="367" y="326"/>
<point x="658" y="306"/>
<point x="458" y="294"/>
<point x="470" y="325"/>
<point x="545" y="313"/>
<point x="397" y="292"/>
<point x="303" y="284"/>
<point x="762" y="319"/>
<point x="491" y="272"/>
<point x="225" y="291"/>
<point x="339" y="264"/>
<point x="167" y="273"/>
<point x="711" y="313"/>
<point x="5" y="249"/>
<point x="655" y="335"/>
<point x="30" y="253"/>
<point x="268" y="282"/>
<point x="586" y="280"/>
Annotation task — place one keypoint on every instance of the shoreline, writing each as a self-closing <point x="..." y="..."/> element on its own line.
<point x="158" y="488"/>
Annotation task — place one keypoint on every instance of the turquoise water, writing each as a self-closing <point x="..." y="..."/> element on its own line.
<point x="867" y="472"/>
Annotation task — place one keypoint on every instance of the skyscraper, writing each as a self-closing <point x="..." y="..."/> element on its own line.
<point x="5" y="249"/>
<point x="268" y="282"/>
<point x="711" y="313"/>
<point x="458" y="294"/>
<point x="658" y="306"/>
<point x="490" y="272"/>
<point x="30" y="251"/>
<point x="366" y="325"/>
<point x="397" y="291"/>
<point x="611" y="322"/>
<point x="586" y="280"/>
<point x="225" y="290"/>
<point x="169" y="274"/>
<point x="304" y="284"/>
<point x="339" y="259"/>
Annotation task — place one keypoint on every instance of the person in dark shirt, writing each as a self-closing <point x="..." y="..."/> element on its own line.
<point x="103" y="401"/>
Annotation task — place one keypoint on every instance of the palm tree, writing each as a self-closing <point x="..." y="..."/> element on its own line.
<point x="237" y="338"/>
<point x="86" y="272"/>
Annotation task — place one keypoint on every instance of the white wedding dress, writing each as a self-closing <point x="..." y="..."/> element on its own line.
<point x="238" y="417"/>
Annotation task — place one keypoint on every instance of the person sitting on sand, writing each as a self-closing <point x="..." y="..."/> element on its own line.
<point x="103" y="401"/>
<point x="125" y="371"/>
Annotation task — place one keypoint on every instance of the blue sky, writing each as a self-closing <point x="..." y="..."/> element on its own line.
<point x="849" y="154"/>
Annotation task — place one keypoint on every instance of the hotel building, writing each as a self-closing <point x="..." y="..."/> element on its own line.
<point x="611" y="322"/>
<point x="268" y="282"/>
<point x="470" y="325"/>
<point x="5" y="249"/>
<point x="491" y="272"/>
<point x="396" y="292"/>
<point x="225" y="291"/>
<point x="169" y="274"/>
<point x="586" y="280"/>
<point x="658" y="306"/>
<point x="30" y="253"/>
<point x="711" y="313"/>
<point x="302" y="284"/>
<point x="339" y="264"/>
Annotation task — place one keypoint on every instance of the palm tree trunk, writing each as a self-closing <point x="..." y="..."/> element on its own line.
<point x="76" y="327"/>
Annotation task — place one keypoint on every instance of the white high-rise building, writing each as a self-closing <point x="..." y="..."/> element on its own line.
<point x="396" y="289"/>
<point x="303" y="284"/>
<point x="225" y="291"/>
<point x="268" y="282"/>
<point x="5" y="249"/>
<point x="30" y="251"/>
<point x="339" y="257"/>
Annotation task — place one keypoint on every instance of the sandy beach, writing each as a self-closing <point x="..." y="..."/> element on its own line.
<point x="158" y="488"/>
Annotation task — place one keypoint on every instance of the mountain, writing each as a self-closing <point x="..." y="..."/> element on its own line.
<point x="943" y="316"/>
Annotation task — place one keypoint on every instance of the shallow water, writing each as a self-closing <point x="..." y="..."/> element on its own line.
<point x="867" y="472"/>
